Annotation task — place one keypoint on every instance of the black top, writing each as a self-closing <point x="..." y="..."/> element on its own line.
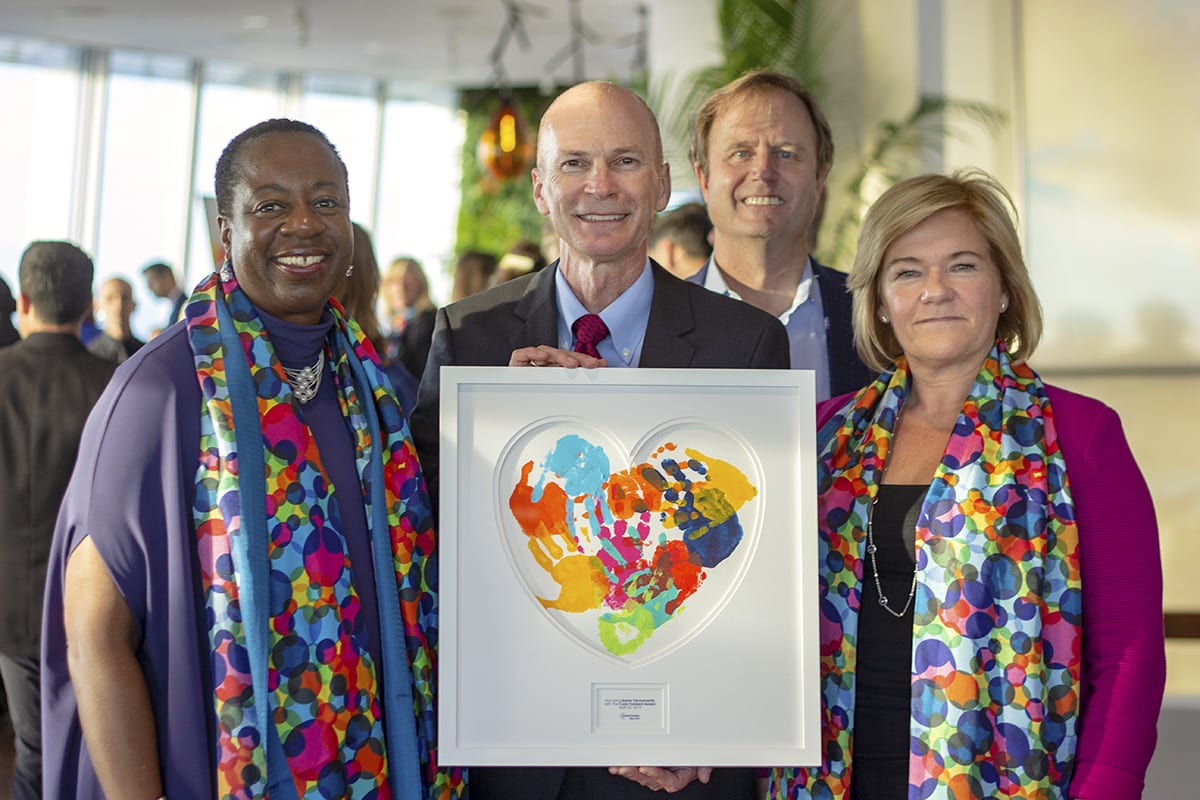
<point x="8" y="334"/>
<point x="115" y="350"/>
<point x="883" y="686"/>
<point x="410" y="347"/>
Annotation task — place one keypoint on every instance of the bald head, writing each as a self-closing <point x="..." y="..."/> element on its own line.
<point x="116" y="290"/>
<point x="600" y="178"/>
<point x="115" y="303"/>
<point x="598" y="103"/>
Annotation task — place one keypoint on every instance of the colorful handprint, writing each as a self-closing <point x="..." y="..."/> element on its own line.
<point x="627" y="547"/>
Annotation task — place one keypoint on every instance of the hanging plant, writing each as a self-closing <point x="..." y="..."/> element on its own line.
<point x="496" y="210"/>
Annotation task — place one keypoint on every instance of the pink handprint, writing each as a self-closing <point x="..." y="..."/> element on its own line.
<point x="632" y="545"/>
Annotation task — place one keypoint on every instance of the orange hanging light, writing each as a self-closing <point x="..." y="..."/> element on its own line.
<point x="505" y="148"/>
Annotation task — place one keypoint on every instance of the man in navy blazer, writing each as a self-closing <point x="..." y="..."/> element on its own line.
<point x="600" y="178"/>
<point x="761" y="150"/>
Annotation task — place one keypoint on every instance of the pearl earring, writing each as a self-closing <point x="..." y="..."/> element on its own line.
<point x="883" y="318"/>
<point x="1003" y="307"/>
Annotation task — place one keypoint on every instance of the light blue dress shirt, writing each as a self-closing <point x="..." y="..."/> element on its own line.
<point x="626" y="318"/>
<point x="805" y="323"/>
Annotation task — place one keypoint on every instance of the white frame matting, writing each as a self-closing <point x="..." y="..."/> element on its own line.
<point x="730" y="676"/>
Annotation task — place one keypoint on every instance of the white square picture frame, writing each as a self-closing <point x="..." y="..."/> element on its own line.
<point x="628" y="568"/>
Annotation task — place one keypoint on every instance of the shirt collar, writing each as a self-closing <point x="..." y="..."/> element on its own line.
<point x="714" y="281"/>
<point x="626" y="317"/>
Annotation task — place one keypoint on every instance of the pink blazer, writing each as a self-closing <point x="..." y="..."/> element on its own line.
<point x="1124" y="661"/>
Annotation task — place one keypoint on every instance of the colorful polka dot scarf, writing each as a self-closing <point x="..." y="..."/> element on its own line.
<point x="297" y="700"/>
<point x="996" y="624"/>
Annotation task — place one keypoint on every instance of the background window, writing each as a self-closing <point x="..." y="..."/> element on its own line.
<point x="419" y="178"/>
<point x="232" y="98"/>
<point x="145" y="175"/>
<point x="41" y="85"/>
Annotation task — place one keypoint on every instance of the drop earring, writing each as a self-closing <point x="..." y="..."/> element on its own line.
<point x="350" y="271"/>
<point x="226" y="273"/>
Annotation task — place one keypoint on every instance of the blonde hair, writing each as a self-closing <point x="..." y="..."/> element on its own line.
<point x="402" y="266"/>
<point x="471" y="274"/>
<point x="905" y="206"/>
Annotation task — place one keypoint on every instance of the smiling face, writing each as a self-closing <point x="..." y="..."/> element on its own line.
<point x="763" y="178"/>
<point x="942" y="293"/>
<point x="288" y="231"/>
<point x="600" y="177"/>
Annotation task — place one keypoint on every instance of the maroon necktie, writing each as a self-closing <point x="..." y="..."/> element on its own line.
<point x="589" y="330"/>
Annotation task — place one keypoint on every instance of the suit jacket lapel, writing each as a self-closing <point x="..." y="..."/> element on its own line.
<point x="538" y="311"/>
<point x="670" y="320"/>
<point x="839" y="333"/>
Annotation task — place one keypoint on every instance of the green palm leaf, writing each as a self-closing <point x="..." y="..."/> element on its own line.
<point x="784" y="35"/>
<point x="892" y="156"/>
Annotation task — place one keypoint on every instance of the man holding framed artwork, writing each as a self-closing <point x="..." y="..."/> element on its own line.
<point x="600" y="178"/>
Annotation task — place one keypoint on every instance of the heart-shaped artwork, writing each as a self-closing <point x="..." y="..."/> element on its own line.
<point x="630" y="551"/>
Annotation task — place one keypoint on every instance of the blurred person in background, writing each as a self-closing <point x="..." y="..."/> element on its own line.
<point x="680" y="240"/>
<point x="358" y="294"/>
<point x="48" y="385"/>
<point x="522" y="258"/>
<point x="412" y="314"/>
<point x="8" y="305"/>
<point x="472" y="272"/>
<point x="160" y="279"/>
<point x="114" y="307"/>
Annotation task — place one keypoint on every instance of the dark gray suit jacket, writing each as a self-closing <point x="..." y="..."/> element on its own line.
<point x="689" y="326"/>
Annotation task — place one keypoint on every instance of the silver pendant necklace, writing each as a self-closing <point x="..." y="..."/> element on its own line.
<point x="872" y="548"/>
<point x="306" y="381"/>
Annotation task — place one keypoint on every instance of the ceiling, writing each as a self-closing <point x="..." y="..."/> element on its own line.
<point x="449" y="42"/>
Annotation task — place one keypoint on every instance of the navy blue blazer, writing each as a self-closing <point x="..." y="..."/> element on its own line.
<point x="847" y="372"/>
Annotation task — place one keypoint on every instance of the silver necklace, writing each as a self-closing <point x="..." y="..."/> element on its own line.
<point x="306" y="381"/>
<point x="871" y="549"/>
